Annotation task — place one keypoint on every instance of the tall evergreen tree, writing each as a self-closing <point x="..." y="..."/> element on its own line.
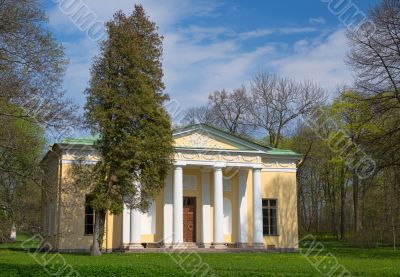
<point x="125" y="107"/>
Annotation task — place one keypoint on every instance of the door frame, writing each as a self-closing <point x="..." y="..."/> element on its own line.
<point x="194" y="205"/>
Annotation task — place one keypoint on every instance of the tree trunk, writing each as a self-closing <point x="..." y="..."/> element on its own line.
<point x="394" y="233"/>
<point x="355" y="200"/>
<point x="342" y="205"/>
<point x="342" y="211"/>
<point x="333" y="219"/>
<point x="13" y="233"/>
<point x="98" y="232"/>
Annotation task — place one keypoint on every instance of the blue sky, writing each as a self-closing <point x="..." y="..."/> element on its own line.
<point x="211" y="45"/>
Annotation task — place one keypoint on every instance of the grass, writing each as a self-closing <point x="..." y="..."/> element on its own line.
<point x="359" y="262"/>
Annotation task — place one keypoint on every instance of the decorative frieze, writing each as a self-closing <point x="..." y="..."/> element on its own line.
<point x="218" y="157"/>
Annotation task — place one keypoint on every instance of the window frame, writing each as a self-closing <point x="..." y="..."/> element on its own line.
<point x="267" y="209"/>
<point x="85" y="224"/>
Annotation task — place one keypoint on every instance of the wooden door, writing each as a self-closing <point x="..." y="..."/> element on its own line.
<point x="189" y="219"/>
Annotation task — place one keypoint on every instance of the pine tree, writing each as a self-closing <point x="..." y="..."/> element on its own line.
<point x="125" y="108"/>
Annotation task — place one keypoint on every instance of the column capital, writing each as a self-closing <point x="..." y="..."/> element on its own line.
<point x="219" y="165"/>
<point x="179" y="164"/>
<point x="257" y="167"/>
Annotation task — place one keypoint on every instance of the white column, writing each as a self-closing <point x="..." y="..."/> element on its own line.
<point x="126" y="226"/>
<point x="242" y="220"/>
<point x="135" y="230"/>
<point x="258" y="239"/>
<point x="168" y="211"/>
<point x="218" y="209"/>
<point x="205" y="204"/>
<point x="178" y="205"/>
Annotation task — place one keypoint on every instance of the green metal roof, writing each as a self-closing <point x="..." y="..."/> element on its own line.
<point x="225" y="136"/>
<point x="277" y="151"/>
<point x="89" y="140"/>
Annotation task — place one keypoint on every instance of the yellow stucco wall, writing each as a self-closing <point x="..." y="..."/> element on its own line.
<point x="275" y="185"/>
<point x="72" y="214"/>
<point x="282" y="186"/>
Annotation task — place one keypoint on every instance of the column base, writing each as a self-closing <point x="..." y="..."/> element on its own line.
<point x="178" y="245"/>
<point x="258" y="245"/>
<point x="242" y="245"/>
<point x="204" y="245"/>
<point x="135" y="246"/>
<point x="218" y="245"/>
<point x="124" y="246"/>
<point x="167" y="245"/>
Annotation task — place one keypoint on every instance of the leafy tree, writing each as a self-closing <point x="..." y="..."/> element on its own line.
<point x="322" y="179"/>
<point x="354" y="116"/>
<point x="374" y="57"/>
<point x="32" y="65"/>
<point x="19" y="164"/>
<point x="124" y="107"/>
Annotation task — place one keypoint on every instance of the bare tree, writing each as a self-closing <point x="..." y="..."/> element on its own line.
<point x="226" y="110"/>
<point x="375" y="53"/>
<point x="375" y="57"/>
<point x="276" y="102"/>
<point x="196" y="115"/>
<point x="229" y="110"/>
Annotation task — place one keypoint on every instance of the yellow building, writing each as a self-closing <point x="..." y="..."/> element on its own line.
<point x="223" y="191"/>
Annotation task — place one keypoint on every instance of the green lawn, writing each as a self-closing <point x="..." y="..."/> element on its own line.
<point x="359" y="262"/>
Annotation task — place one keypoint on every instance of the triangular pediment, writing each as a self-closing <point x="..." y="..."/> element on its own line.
<point x="201" y="140"/>
<point x="202" y="136"/>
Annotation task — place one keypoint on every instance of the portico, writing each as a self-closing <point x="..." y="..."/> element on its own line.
<point x="211" y="210"/>
<point x="214" y="163"/>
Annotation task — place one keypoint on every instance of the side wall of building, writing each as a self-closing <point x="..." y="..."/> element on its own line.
<point x="282" y="187"/>
<point x="72" y="214"/>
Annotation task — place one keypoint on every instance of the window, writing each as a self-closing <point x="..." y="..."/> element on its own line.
<point x="270" y="225"/>
<point x="89" y="216"/>
<point x="189" y="201"/>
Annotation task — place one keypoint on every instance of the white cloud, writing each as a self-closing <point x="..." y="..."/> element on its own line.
<point x="198" y="60"/>
<point x="268" y="31"/>
<point x="80" y="49"/>
<point x="322" y="61"/>
<point x="317" y="20"/>
<point x="165" y="13"/>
